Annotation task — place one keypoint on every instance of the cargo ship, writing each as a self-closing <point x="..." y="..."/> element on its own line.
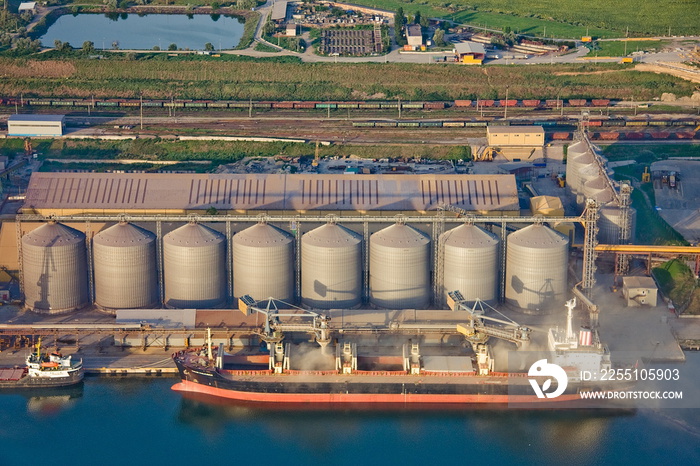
<point x="43" y="371"/>
<point x="419" y="379"/>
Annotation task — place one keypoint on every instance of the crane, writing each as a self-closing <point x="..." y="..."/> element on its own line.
<point x="480" y="327"/>
<point x="273" y="330"/>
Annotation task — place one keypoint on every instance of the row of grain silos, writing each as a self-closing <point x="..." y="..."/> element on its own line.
<point x="195" y="272"/>
<point x="585" y="181"/>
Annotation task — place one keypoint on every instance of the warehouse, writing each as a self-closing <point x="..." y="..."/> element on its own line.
<point x="279" y="12"/>
<point x="414" y="35"/>
<point x="35" y="125"/>
<point x="515" y="136"/>
<point x="143" y="193"/>
<point x="471" y="53"/>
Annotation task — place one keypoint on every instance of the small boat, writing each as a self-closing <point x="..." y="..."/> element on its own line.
<point x="43" y="371"/>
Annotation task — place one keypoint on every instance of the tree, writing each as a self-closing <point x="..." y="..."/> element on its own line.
<point x="416" y="17"/>
<point x="172" y="47"/>
<point x="439" y="38"/>
<point x="57" y="44"/>
<point x="212" y="211"/>
<point x="88" y="46"/>
<point x="269" y="28"/>
<point x="215" y="6"/>
<point x="424" y="22"/>
<point x="209" y="47"/>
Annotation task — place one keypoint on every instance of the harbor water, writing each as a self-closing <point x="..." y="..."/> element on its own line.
<point x="113" y="420"/>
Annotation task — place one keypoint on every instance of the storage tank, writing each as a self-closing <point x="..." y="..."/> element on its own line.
<point x="609" y="222"/>
<point x="593" y="188"/>
<point x="331" y="267"/>
<point x="399" y="268"/>
<point x="55" y="269"/>
<point x="194" y="266"/>
<point x="263" y="263"/>
<point x="536" y="268"/>
<point x="125" y="270"/>
<point x="470" y="258"/>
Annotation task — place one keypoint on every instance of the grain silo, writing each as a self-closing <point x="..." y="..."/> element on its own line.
<point x="331" y="267"/>
<point x="574" y="164"/>
<point x="399" y="268"/>
<point x="586" y="174"/>
<point x="55" y="269"/>
<point x="536" y="268"/>
<point x="194" y="265"/>
<point x="470" y="261"/>
<point x="125" y="267"/>
<point x="610" y="221"/>
<point x="263" y="263"/>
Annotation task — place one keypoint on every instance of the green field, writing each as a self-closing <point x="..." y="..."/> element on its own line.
<point x="620" y="48"/>
<point x="678" y="282"/>
<point x="642" y="17"/>
<point x="648" y="153"/>
<point x="284" y="78"/>
<point x="216" y="151"/>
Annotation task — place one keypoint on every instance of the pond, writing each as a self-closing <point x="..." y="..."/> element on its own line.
<point x="144" y="32"/>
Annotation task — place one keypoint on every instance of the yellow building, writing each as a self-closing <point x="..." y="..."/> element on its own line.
<point x="515" y="136"/>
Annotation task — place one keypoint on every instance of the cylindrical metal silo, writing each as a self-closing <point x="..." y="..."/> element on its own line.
<point x="55" y="269"/>
<point x="399" y="268"/>
<point x="610" y="221"/>
<point x="125" y="267"/>
<point x="331" y="267"/>
<point x="470" y="258"/>
<point x="194" y="266"/>
<point x="263" y="263"/>
<point x="536" y="268"/>
<point x="592" y="189"/>
<point x="574" y="164"/>
<point x="586" y="174"/>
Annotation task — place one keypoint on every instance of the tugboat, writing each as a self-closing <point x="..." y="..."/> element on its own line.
<point x="43" y="371"/>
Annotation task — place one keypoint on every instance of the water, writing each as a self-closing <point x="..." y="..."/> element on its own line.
<point x="142" y="421"/>
<point x="144" y="32"/>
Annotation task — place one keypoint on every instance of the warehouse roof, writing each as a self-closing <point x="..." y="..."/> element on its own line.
<point x="297" y="192"/>
<point x="515" y="129"/>
<point x="279" y="11"/>
<point x="414" y="30"/>
<point x="33" y="117"/>
<point x="463" y="48"/>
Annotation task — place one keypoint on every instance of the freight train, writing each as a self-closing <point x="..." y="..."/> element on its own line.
<point x="313" y="105"/>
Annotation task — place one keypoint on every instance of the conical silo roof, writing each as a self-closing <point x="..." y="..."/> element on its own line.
<point x="469" y="236"/>
<point x="193" y="235"/>
<point x="123" y="234"/>
<point x="53" y="234"/>
<point x="262" y="235"/>
<point x="399" y="235"/>
<point x="537" y="236"/>
<point x="331" y="236"/>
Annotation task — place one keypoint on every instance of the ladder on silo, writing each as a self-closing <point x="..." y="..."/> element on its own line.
<point x="622" y="263"/>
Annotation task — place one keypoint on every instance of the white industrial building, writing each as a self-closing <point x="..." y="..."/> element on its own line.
<point x="35" y="125"/>
<point x="27" y="7"/>
<point x="639" y="291"/>
<point x="414" y="35"/>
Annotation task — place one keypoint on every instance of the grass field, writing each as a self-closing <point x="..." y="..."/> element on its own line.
<point x="648" y="153"/>
<point x="678" y="282"/>
<point x="217" y="151"/>
<point x="620" y="48"/>
<point x="279" y="79"/>
<point x="642" y="17"/>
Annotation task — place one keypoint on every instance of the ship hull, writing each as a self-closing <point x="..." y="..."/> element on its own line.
<point x="28" y="382"/>
<point x="314" y="389"/>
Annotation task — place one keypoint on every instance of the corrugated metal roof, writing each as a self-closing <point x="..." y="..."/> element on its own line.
<point x="515" y="129"/>
<point x="32" y="117"/>
<point x="462" y="48"/>
<point x="298" y="192"/>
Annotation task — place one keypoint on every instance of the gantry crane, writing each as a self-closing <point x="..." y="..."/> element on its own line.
<point x="477" y="332"/>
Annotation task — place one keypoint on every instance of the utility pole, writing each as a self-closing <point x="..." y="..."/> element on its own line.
<point x="141" y="110"/>
<point x="399" y="107"/>
<point x="505" y="109"/>
<point x="250" y="108"/>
